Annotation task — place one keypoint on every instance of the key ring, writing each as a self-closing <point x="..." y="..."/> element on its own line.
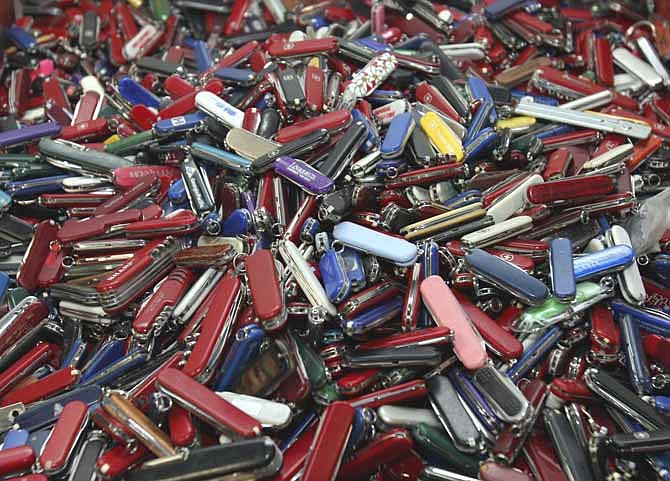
<point x="637" y="25"/>
<point x="238" y="263"/>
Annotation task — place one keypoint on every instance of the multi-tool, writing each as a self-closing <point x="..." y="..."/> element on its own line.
<point x="334" y="276"/>
<point x="570" y="189"/>
<point x="630" y="280"/>
<point x="248" y="144"/>
<point x="154" y="314"/>
<point x="477" y="405"/>
<point x="291" y="148"/>
<point x="399" y="131"/>
<point x="304" y="276"/>
<point x="257" y="459"/>
<point x="392" y="395"/>
<point x="219" y="109"/>
<point x="20" y="320"/>
<point x="653" y="320"/>
<point x="224" y="220"/>
<point x="432" y="95"/>
<point x="624" y="59"/>
<point x="497" y="232"/>
<point x="509" y="444"/>
<point x="128" y="281"/>
<point x="369" y="241"/>
<point x="369" y="78"/>
<point x="219" y="157"/>
<point x="206" y="405"/>
<point x="42" y="354"/>
<point x="573" y="458"/>
<point x="437" y="224"/>
<point x="399" y="416"/>
<point x="126" y="413"/>
<point x="339" y="157"/>
<point x="336" y="426"/>
<point x="601" y="262"/>
<point x="433" y="442"/>
<point x="393" y="444"/>
<point x="265" y="373"/>
<point x="270" y="414"/>
<point x="563" y="281"/>
<point x="442" y="137"/>
<point x="497" y="339"/>
<point x="246" y="345"/>
<point x="65" y="435"/>
<point x="411" y="307"/>
<point x="303" y="175"/>
<point x="16" y="138"/>
<point x="453" y="416"/>
<point x="504" y="275"/>
<point x="265" y="289"/>
<point x="215" y="327"/>
<point x="600" y="122"/>
<point x="636" y="358"/>
<point x="393" y="357"/>
<point x="333" y="122"/>
<point x="552" y="311"/>
<point x="620" y="397"/>
<point x="369" y="297"/>
<point x="368" y="320"/>
<point x="446" y="311"/>
<point x="76" y="158"/>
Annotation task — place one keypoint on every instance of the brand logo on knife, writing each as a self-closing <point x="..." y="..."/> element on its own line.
<point x="302" y="172"/>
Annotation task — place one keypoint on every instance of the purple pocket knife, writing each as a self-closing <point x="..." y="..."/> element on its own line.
<point x="15" y="137"/>
<point x="303" y="175"/>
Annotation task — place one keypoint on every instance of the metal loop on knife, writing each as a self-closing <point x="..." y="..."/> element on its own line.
<point x="161" y="402"/>
<point x="642" y="23"/>
<point x="337" y="246"/>
<point x="659" y="381"/>
<point x="278" y="229"/>
<point x="584" y="217"/>
<point x="239" y="265"/>
<point x="653" y="180"/>
<point x="213" y="227"/>
<point x="607" y="283"/>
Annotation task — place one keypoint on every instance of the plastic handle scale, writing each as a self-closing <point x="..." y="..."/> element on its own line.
<point x="397" y="135"/>
<point x="205" y="404"/>
<point x="88" y="159"/>
<point x="606" y="260"/>
<point x="19" y="136"/>
<point x="136" y="94"/>
<point x="584" y="119"/>
<point x="446" y="310"/>
<point x="398" y="251"/>
<point x="303" y="175"/>
<point x="505" y="275"/>
<point x="329" y="442"/>
<point x="218" y="108"/>
<point x="654" y="322"/>
<point x="562" y="269"/>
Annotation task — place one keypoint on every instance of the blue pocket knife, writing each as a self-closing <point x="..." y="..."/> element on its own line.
<point x="397" y="135"/>
<point x="602" y="262"/>
<point x="562" y="270"/>
<point x="244" y="348"/>
<point x="505" y="276"/>
<point x="334" y="276"/>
